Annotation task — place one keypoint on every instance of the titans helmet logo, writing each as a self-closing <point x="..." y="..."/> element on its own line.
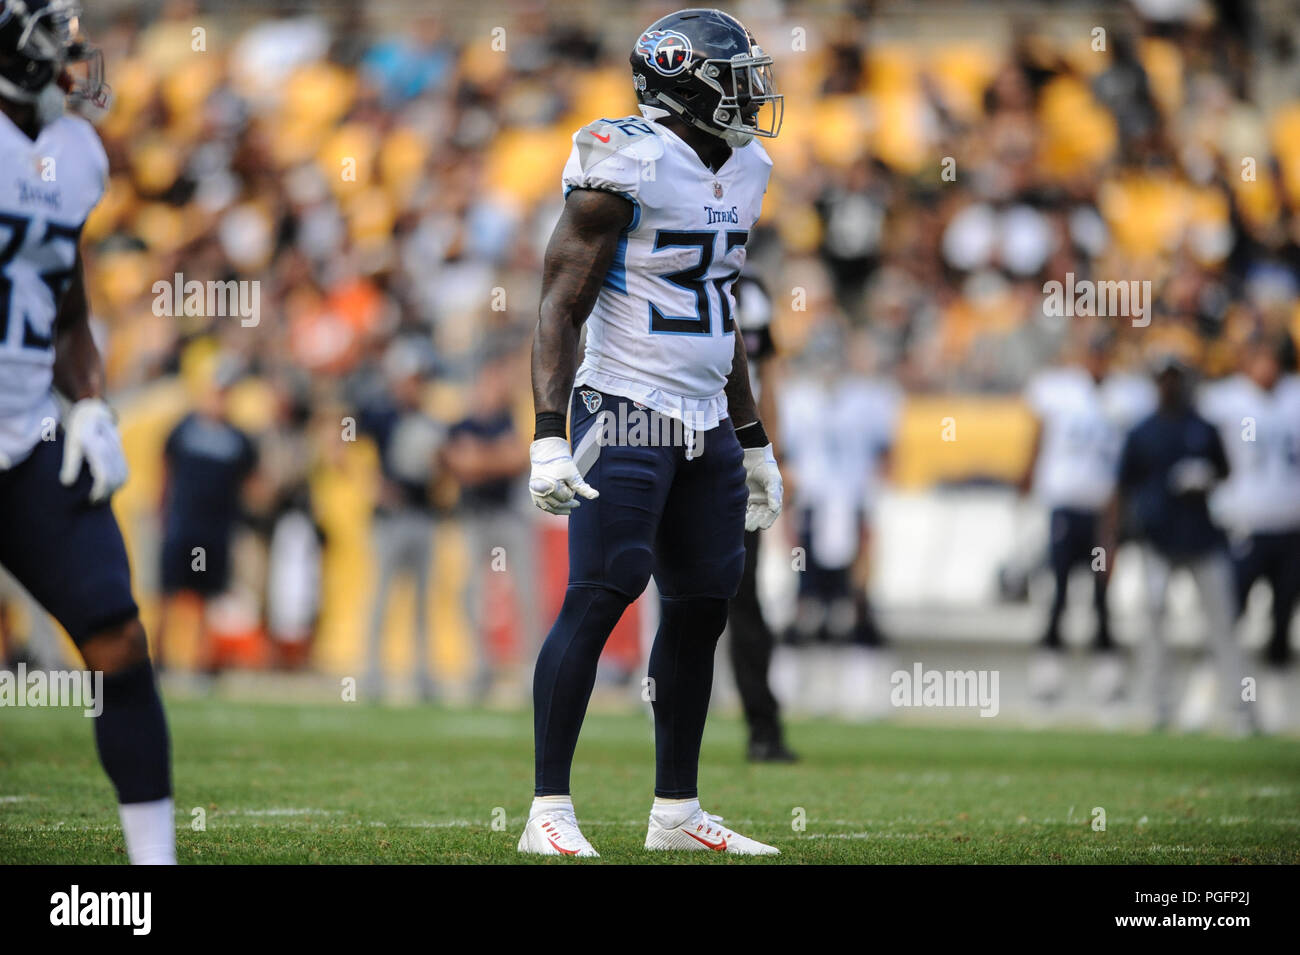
<point x="667" y="51"/>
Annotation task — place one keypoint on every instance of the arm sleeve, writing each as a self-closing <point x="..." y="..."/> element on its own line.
<point x="616" y="172"/>
<point x="609" y="156"/>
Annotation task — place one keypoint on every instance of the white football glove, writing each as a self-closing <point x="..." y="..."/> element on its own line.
<point x="90" y="435"/>
<point x="555" y="482"/>
<point x="765" y="488"/>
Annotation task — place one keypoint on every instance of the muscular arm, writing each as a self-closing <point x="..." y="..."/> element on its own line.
<point x="740" y="399"/>
<point x="1026" y="482"/>
<point x="91" y="436"/>
<point x="768" y="379"/>
<point x="78" y="368"/>
<point x="577" y="258"/>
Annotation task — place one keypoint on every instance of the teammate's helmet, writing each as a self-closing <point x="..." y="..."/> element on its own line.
<point x="38" y="40"/>
<point x="704" y="66"/>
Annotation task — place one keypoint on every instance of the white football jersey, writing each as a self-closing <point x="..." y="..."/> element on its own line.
<point x="833" y="435"/>
<point x="47" y="189"/>
<point x="1261" y="434"/>
<point x="1083" y="429"/>
<point x="662" y="331"/>
<point x="834" y="432"/>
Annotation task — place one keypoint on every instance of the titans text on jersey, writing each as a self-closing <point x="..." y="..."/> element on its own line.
<point x="662" y="329"/>
<point x="47" y="189"/>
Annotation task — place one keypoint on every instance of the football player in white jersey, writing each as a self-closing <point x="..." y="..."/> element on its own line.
<point x="838" y="425"/>
<point x="60" y="454"/>
<point x="1257" y="413"/>
<point x="1083" y="412"/>
<point x="669" y="464"/>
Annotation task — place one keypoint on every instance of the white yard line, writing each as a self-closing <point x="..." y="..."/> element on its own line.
<point x="877" y="828"/>
<point x="276" y="812"/>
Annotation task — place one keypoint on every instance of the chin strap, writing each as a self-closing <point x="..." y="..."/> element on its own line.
<point x="16" y="93"/>
<point x="728" y="136"/>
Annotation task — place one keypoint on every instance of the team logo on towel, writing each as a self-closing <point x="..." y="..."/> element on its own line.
<point x="591" y="399"/>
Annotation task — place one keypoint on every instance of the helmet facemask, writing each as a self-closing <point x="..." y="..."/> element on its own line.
<point x="749" y="105"/>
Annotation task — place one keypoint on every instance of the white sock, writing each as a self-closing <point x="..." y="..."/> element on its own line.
<point x="150" y="831"/>
<point x="547" y="803"/>
<point x="671" y="813"/>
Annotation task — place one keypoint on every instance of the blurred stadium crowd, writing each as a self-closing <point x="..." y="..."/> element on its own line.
<point x="389" y="174"/>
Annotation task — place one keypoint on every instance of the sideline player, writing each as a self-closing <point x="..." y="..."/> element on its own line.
<point x="657" y="212"/>
<point x="1083" y="411"/>
<point x="1258" y="416"/>
<point x="1169" y="464"/>
<point x="60" y="539"/>
<point x="839" y="422"/>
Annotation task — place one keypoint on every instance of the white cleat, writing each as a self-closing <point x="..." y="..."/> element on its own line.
<point x="1272" y="695"/>
<point x="1047" y="676"/>
<point x="1196" y="711"/>
<point x="1106" y="682"/>
<point x="703" y="831"/>
<point x="556" y="833"/>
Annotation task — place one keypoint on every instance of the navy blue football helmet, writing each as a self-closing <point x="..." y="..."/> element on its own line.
<point x="704" y="66"/>
<point x="39" y="39"/>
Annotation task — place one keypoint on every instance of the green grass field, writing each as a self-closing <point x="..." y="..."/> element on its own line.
<point x="344" y="783"/>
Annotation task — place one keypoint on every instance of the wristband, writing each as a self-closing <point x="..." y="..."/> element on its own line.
<point x="550" y="424"/>
<point x="752" y="435"/>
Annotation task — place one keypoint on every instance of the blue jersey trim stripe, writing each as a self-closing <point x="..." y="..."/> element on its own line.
<point x="616" y="278"/>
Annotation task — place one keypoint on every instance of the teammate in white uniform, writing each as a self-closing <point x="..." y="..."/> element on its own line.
<point x="57" y="471"/>
<point x="1083" y="412"/>
<point x="657" y="212"/>
<point x="1258" y="416"/>
<point x="839" y="422"/>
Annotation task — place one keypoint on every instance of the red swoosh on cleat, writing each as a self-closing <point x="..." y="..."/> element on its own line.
<point x="603" y="139"/>
<point x="716" y="847"/>
<point x="560" y="849"/>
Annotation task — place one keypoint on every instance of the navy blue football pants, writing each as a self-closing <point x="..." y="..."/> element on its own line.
<point x="661" y="513"/>
<point x="1073" y="535"/>
<point x="1275" y="557"/>
<point x="69" y="555"/>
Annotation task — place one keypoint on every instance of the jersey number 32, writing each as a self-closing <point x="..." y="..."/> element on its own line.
<point x="693" y="281"/>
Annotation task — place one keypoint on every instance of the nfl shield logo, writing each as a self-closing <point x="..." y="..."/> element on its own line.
<point x="717" y="190"/>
